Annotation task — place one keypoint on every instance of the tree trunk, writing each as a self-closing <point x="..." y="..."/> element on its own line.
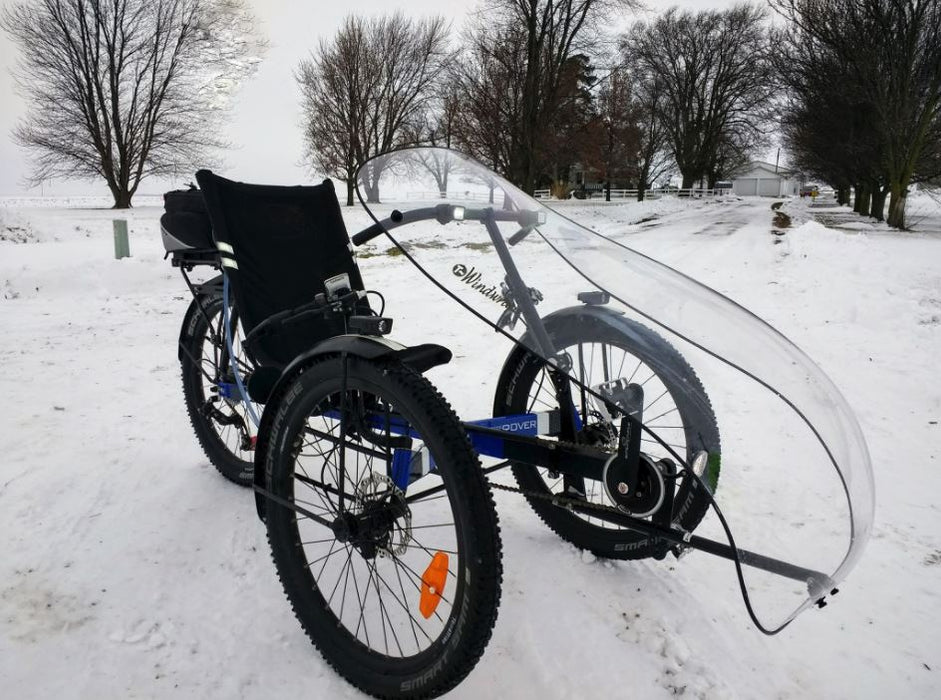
<point x="861" y="198"/>
<point x="122" y="198"/>
<point x="877" y="205"/>
<point x="897" y="205"/>
<point x="865" y="198"/>
<point x="689" y="179"/>
<point x="370" y="184"/>
<point x="607" y="191"/>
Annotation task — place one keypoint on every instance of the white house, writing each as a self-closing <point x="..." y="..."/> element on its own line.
<point x="765" y="180"/>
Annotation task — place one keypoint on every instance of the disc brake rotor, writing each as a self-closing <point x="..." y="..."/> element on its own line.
<point x="377" y="490"/>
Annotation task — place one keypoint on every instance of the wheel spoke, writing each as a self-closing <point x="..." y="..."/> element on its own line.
<point x="220" y="438"/>
<point x="382" y="533"/>
<point x="607" y="357"/>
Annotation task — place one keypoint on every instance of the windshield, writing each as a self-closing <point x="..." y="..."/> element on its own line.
<point x="794" y="476"/>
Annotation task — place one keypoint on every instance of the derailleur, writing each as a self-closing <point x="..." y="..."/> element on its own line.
<point x="211" y="411"/>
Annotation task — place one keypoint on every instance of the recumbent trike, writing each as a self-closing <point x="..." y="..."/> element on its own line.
<point x="379" y="512"/>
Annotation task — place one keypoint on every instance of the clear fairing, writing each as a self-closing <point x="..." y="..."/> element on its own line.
<point x="796" y="481"/>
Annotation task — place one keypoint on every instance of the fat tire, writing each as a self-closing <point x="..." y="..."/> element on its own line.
<point x="195" y="330"/>
<point x="371" y="671"/>
<point x="700" y="428"/>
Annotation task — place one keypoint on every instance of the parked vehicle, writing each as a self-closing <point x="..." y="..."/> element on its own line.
<point x="808" y="191"/>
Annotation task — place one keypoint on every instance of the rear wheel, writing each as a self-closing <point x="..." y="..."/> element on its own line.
<point x="222" y="424"/>
<point x="676" y="407"/>
<point x="396" y="583"/>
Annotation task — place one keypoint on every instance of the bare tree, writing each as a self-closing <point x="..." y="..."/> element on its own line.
<point x="613" y="152"/>
<point x="546" y="34"/>
<point x="578" y="130"/>
<point x="654" y="159"/>
<point x="364" y="91"/>
<point x="438" y="127"/>
<point x="891" y="54"/>
<point x="827" y="123"/>
<point x="489" y="74"/>
<point x="715" y="76"/>
<point x="126" y="89"/>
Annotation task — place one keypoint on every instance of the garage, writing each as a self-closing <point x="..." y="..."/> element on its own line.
<point x="764" y="180"/>
<point x="745" y="187"/>
<point x="769" y="187"/>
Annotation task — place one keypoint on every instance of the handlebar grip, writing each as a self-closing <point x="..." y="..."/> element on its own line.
<point x="395" y="218"/>
<point x="368" y="234"/>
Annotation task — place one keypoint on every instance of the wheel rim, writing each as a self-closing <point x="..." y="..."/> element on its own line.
<point x="371" y="583"/>
<point x="591" y="364"/>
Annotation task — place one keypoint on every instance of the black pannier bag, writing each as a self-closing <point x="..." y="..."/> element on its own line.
<point x="185" y="222"/>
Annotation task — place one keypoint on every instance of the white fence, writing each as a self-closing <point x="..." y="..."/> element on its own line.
<point x="454" y="194"/>
<point x="596" y="195"/>
<point x="693" y="192"/>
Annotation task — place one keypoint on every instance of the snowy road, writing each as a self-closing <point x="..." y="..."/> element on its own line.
<point x="129" y="568"/>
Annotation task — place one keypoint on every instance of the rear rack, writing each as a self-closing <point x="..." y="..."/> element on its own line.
<point x="189" y="258"/>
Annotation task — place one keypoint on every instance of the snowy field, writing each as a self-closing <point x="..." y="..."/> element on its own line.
<point x="130" y="568"/>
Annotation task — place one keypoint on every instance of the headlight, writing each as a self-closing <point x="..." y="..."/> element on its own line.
<point x="458" y="213"/>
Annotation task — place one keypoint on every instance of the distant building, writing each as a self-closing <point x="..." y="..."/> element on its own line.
<point x="764" y="180"/>
<point x="589" y="180"/>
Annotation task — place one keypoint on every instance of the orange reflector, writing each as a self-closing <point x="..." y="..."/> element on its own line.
<point x="432" y="584"/>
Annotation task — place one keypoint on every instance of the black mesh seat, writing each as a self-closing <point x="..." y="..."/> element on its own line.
<point x="278" y="245"/>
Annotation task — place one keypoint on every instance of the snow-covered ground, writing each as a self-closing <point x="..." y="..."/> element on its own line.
<point x="129" y="568"/>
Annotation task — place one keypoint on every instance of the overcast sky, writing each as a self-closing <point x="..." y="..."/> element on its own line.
<point x="265" y="121"/>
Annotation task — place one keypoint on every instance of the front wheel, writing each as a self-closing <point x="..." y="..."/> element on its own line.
<point x="676" y="407"/>
<point x="395" y="578"/>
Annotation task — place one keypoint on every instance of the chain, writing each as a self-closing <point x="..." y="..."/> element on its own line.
<point x="556" y="499"/>
<point x="564" y="502"/>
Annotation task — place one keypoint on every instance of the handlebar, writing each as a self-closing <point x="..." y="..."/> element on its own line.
<point x="446" y="213"/>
